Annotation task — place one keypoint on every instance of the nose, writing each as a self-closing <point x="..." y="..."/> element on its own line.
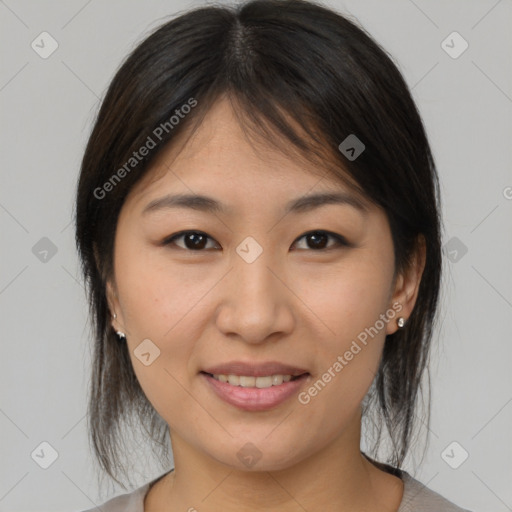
<point x="256" y="303"/>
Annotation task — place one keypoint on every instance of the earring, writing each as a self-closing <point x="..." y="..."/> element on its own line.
<point x="400" y="322"/>
<point x="121" y="335"/>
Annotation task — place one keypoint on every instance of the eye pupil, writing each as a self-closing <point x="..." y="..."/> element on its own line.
<point x="319" y="240"/>
<point x="199" y="243"/>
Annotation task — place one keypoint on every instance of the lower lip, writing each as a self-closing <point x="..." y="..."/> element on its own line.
<point x="255" y="399"/>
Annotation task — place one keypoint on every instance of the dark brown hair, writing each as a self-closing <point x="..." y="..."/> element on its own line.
<point x="283" y="64"/>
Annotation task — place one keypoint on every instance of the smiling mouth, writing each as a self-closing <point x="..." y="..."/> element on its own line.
<point x="249" y="381"/>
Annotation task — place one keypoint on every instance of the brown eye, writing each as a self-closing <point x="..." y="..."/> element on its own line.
<point x="198" y="241"/>
<point x="192" y="240"/>
<point x="318" y="240"/>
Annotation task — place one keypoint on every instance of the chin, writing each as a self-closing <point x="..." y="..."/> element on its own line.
<point x="258" y="455"/>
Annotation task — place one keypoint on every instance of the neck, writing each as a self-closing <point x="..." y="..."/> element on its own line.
<point x="338" y="477"/>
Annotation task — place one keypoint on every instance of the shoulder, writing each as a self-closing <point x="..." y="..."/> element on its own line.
<point x="129" y="502"/>
<point x="419" y="498"/>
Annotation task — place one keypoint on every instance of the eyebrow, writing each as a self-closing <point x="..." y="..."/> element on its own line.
<point x="210" y="205"/>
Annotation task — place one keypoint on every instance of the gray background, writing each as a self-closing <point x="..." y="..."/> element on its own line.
<point x="47" y="108"/>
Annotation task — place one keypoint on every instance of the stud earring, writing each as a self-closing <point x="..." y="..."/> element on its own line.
<point x="400" y="322"/>
<point x="121" y="335"/>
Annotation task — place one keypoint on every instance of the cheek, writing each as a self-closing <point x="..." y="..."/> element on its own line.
<point x="158" y="304"/>
<point x="349" y="298"/>
<point x="349" y="302"/>
<point x="156" y="295"/>
<point x="165" y="303"/>
<point x="347" y="351"/>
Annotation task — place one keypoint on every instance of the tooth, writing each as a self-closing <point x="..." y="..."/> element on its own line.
<point x="264" y="382"/>
<point x="234" y="380"/>
<point x="277" y="380"/>
<point x="247" y="382"/>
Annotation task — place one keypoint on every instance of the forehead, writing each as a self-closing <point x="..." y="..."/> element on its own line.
<point x="221" y="158"/>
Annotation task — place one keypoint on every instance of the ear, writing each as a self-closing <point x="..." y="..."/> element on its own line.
<point x="407" y="284"/>
<point x="114" y="307"/>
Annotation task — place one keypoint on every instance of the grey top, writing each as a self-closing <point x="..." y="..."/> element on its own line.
<point x="416" y="498"/>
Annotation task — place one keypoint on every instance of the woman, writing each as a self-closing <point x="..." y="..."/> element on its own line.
<point x="258" y="222"/>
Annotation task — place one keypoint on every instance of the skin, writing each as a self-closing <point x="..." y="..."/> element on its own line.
<point x="294" y="304"/>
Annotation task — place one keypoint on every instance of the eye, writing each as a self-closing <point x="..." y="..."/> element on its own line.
<point x="318" y="240"/>
<point x="193" y="240"/>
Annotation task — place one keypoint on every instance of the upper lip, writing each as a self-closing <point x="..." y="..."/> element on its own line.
<point x="254" y="369"/>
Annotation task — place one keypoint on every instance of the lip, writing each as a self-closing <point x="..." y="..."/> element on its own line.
<point x="254" y="399"/>
<point x="254" y="369"/>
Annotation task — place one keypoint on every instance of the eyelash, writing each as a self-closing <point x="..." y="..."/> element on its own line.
<point x="340" y="240"/>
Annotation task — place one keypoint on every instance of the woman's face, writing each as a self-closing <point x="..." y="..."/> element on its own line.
<point x="255" y="289"/>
